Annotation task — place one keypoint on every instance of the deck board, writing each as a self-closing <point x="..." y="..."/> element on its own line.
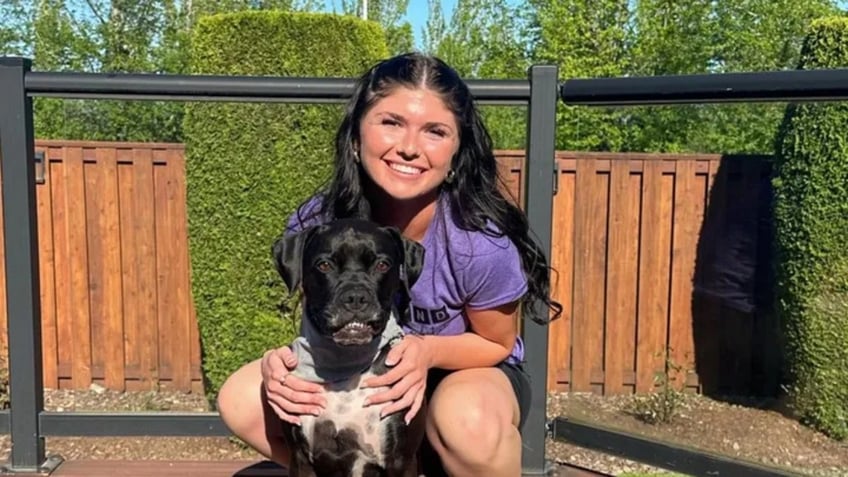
<point x="155" y="468"/>
<point x="186" y="468"/>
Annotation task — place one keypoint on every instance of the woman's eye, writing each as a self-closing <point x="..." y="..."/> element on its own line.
<point x="439" y="132"/>
<point x="382" y="266"/>
<point x="390" y="122"/>
<point x="324" y="266"/>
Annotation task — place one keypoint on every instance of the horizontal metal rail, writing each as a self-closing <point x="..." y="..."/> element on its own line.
<point x="771" y="86"/>
<point x="164" y="423"/>
<point x="133" y="86"/>
<point x="653" y="452"/>
<point x="154" y="423"/>
<point x="157" y="423"/>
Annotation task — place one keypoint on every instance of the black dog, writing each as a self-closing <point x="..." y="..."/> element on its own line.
<point x="355" y="277"/>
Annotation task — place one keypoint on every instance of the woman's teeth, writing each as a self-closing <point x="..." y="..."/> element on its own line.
<point x="405" y="169"/>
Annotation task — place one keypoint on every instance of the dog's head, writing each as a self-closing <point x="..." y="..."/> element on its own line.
<point x="350" y="271"/>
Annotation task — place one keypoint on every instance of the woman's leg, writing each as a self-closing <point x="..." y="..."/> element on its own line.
<point x="245" y="411"/>
<point x="472" y="423"/>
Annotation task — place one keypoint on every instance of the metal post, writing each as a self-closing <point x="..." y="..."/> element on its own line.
<point x="22" y="284"/>
<point x="539" y="187"/>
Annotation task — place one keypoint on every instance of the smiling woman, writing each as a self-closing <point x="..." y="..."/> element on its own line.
<point x="413" y="153"/>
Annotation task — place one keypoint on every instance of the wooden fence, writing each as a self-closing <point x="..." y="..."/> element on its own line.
<point x="114" y="272"/>
<point x="631" y="238"/>
<point x="116" y="298"/>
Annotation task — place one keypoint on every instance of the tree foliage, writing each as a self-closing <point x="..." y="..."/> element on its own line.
<point x="389" y="14"/>
<point x="586" y="39"/>
<point x="484" y="39"/>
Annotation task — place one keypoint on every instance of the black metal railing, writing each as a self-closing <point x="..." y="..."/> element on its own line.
<point x="28" y="422"/>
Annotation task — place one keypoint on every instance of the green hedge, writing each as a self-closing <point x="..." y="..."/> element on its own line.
<point x="250" y="164"/>
<point x="811" y="219"/>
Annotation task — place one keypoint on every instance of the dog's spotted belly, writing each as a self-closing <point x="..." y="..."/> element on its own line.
<point x="347" y="434"/>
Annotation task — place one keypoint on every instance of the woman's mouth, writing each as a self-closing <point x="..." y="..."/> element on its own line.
<point x="404" y="169"/>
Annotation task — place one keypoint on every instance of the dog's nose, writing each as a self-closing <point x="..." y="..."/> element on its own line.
<point x="355" y="299"/>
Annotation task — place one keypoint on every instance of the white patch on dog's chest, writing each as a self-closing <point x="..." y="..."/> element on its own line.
<point x="346" y="411"/>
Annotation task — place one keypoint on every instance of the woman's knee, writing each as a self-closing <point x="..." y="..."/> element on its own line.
<point x="239" y="401"/>
<point x="472" y="414"/>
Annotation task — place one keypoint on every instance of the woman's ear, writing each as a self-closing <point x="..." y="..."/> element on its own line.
<point x="355" y="148"/>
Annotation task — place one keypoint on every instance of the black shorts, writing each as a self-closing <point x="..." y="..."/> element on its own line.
<point x="430" y="463"/>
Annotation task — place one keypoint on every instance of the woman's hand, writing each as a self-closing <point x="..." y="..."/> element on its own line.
<point x="409" y="361"/>
<point x="287" y="394"/>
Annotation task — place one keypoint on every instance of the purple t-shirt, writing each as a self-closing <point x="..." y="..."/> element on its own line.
<point x="461" y="269"/>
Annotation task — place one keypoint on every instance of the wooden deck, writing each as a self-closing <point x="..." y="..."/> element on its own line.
<point x="155" y="468"/>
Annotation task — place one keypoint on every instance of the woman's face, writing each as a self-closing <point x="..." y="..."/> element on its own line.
<point x="408" y="139"/>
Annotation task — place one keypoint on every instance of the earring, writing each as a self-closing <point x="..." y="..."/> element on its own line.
<point x="449" y="178"/>
<point x="356" y="156"/>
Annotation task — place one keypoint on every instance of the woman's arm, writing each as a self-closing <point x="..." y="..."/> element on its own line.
<point x="492" y="337"/>
<point x="491" y="341"/>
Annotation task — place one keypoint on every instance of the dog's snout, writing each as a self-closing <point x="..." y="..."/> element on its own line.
<point x="355" y="299"/>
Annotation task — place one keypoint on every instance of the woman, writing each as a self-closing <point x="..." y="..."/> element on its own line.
<point x="412" y="152"/>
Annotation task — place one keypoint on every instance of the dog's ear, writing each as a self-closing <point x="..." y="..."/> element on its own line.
<point x="413" y="258"/>
<point x="288" y="252"/>
<point x="413" y="261"/>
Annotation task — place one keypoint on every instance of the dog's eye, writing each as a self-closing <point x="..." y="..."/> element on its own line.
<point x="382" y="266"/>
<point x="324" y="266"/>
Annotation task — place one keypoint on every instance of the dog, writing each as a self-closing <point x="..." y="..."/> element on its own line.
<point x="355" y="278"/>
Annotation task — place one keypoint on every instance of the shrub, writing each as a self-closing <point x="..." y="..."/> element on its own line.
<point x="662" y="404"/>
<point x="811" y="220"/>
<point x="249" y="165"/>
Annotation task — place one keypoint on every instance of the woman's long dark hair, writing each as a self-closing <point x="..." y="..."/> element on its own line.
<point x="474" y="193"/>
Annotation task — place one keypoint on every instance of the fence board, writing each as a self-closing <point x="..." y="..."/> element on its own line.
<point x="61" y="274"/>
<point x="710" y="325"/>
<point x="628" y="233"/>
<point x="590" y="203"/>
<point x="653" y="275"/>
<point x="109" y="222"/>
<point x="146" y="251"/>
<point x="131" y="240"/>
<point x="688" y="215"/>
<point x="78" y="265"/>
<point x="172" y="287"/>
<point x="562" y="279"/>
<point x="49" y="323"/>
<point x="182" y="318"/>
<point x="92" y="176"/>
<point x="622" y="269"/>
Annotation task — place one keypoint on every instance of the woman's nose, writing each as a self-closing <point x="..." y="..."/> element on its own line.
<point x="408" y="146"/>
